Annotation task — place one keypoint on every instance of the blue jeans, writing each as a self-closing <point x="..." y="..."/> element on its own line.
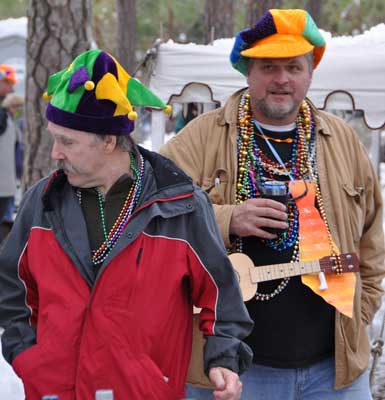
<point x="312" y="383"/>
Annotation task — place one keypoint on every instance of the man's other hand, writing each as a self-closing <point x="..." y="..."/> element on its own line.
<point x="227" y="384"/>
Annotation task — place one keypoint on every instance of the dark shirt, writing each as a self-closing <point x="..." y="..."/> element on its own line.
<point x="296" y="328"/>
<point x="112" y="206"/>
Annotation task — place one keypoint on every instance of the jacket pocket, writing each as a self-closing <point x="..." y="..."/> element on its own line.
<point x="45" y="369"/>
<point x="351" y="331"/>
<point x="353" y="328"/>
<point x="119" y="302"/>
<point x="355" y="200"/>
<point x="160" y="387"/>
<point x="215" y="186"/>
<point x="139" y="377"/>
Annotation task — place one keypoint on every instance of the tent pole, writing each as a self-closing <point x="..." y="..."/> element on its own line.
<point x="158" y="123"/>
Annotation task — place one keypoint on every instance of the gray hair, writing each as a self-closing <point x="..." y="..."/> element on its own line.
<point x="310" y="59"/>
<point x="124" y="142"/>
<point x="13" y="100"/>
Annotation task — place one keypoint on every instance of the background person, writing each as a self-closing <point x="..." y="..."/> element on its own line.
<point x="304" y="347"/>
<point x="189" y="111"/>
<point x="7" y="143"/>
<point x="14" y="104"/>
<point x="108" y="255"/>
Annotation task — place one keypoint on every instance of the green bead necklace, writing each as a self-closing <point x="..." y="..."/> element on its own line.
<point x="100" y="201"/>
<point x="102" y="217"/>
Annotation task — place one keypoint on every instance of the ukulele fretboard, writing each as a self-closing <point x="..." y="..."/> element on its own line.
<point x="278" y="271"/>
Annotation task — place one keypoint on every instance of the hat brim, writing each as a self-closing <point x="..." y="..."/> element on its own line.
<point x="10" y="79"/>
<point x="115" y="125"/>
<point x="281" y="45"/>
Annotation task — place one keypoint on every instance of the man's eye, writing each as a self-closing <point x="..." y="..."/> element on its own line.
<point x="294" y="68"/>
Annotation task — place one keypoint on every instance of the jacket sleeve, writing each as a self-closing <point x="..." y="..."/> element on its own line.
<point x="224" y="320"/>
<point x="3" y="120"/>
<point x="18" y="294"/>
<point x="372" y="251"/>
<point x="187" y="151"/>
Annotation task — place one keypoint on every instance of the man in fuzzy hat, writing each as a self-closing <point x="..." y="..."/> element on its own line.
<point x="7" y="144"/>
<point x="7" y="81"/>
<point x="269" y="142"/>
<point x="109" y="254"/>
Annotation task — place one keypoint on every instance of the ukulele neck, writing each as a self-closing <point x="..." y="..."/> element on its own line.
<point x="278" y="271"/>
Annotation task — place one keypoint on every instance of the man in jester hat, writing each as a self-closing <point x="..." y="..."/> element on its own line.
<point x="109" y="254"/>
<point x="309" y="339"/>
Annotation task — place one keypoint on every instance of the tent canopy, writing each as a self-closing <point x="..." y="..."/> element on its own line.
<point x="351" y="75"/>
<point x="13" y="38"/>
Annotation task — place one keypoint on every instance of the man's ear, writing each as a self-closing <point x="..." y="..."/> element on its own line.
<point x="110" y="143"/>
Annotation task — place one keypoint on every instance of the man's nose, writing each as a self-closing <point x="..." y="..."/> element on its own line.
<point x="56" y="154"/>
<point x="281" y="77"/>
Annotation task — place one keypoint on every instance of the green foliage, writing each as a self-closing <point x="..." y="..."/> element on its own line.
<point x="104" y="24"/>
<point x="13" y="8"/>
<point x="169" y="19"/>
<point x="182" y="21"/>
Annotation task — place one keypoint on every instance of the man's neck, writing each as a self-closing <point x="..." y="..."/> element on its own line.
<point x="116" y="168"/>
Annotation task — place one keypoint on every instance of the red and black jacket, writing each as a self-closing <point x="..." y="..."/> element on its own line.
<point x="130" y="327"/>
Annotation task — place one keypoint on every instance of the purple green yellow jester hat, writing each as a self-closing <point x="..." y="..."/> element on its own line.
<point x="95" y="94"/>
<point x="278" y="34"/>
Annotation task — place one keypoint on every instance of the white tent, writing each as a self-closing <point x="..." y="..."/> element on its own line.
<point x="13" y="37"/>
<point x="351" y="75"/>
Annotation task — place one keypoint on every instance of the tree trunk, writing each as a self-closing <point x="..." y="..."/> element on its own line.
<point x="314" y="8"/>
<point x="170" y="21"/>
<point x="255" y="9"/>
<point x="126" y="33"/>
<point x="58" y="31"/>
<point x="219" y="19"/>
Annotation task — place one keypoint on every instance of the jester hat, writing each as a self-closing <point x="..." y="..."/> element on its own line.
<point x="95" y="94"/>
<point x="278" y="34"/>
<point x="7" y="72"/>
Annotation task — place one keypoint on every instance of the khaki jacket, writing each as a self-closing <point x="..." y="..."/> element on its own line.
<point x="207" y="150"/>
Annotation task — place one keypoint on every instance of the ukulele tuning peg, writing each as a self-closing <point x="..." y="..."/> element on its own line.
<point x="322" y="279"/>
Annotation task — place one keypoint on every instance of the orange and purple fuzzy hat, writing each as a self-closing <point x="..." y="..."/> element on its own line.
<point x="7" y="72"/>
<point x="278" y="34"/>
<point x="95" y="94"/>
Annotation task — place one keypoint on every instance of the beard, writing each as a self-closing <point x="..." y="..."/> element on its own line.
<point x="275" y="111"/>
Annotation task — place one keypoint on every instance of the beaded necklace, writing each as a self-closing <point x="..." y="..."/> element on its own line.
<point x="254" y="168"/>
<point x="110" y="239"/>
<point x="278" y="140"/>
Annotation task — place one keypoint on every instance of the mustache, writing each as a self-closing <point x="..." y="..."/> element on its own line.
<point x="280" y="89"/>
<point x="61" y="164"/>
